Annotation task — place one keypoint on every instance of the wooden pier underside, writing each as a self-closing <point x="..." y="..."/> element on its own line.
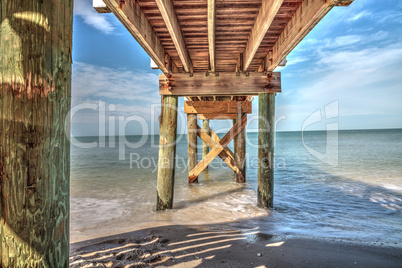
<point x="218" y="54"/>
<point x="196" y="36"/>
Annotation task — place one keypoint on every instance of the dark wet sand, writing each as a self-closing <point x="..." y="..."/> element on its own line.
<point x="220" y="246"/>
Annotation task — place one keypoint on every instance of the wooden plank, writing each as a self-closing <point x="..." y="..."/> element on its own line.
<point x="223" y="154"/>
<point x="211" y="33"/>
<point x="306" y="17"/>
<point x="218" y="148"/>
<point x="344" y="3"/>
<point x="205" y="127"/>
<point x="266" y="15"/>
<point x="216" y="107"/>
<point x="135" y="21"/>
<point x="224" y="84"/>
<point x="241" y="150"/>
<point x="167" y="152"/>
<point x="192" y="142"/>
<point x="172" y="24"/>
<point x="217" y="140"/>
<point x="35" y="102"/>
<point x="216" y="116"/>
<point x="266" y="133"/>
<point x="100" y="6"/>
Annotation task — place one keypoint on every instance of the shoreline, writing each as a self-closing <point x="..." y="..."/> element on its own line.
<point x="222" y="245"/>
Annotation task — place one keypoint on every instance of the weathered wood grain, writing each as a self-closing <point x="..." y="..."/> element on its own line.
<point x="224" y="84"/>
<point x="265" y="17"/>
<point x="224" y="154"/>
<point x="35" y="94"/>
<point x="218" y="148"/>
<point x="205" y="127"/>
<point x="167" y="152"/>
<point x="192" y="142"/>
<point x="209" y="107"/>
<point x="266" y="134"/>
<point x="211" y="33"/>
<point x="241" y="149"/>
<point x="306" y="17"/>
<point x="169" y="16"/>
<point x="216" y="116"/>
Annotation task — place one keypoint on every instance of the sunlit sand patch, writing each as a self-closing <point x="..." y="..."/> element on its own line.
<point x="276" y="244"/>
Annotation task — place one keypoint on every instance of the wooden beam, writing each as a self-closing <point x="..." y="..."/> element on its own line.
<point x="306" y="17"/>
<point x="135" y="21"/>
<point x="100" y="6"/>
<point x="266" y="15"/>
<point x="167" y="152"/>
<point x="266" y="133"/>
<point x="172" y="24"/>
<point x="216" y="107"/>
<point x="206" y="128"/>
<point x="240" y="145"/>
<point x="217" y="140"/>
<point x="211" y="143"/>
<point x="216" y="116"/>
<point x="225" y="84"/>
<point x="192" y="142"/>
<point x="211" y="33"/>
<point x="218" y="148"/>
<point x="344" y="3"/>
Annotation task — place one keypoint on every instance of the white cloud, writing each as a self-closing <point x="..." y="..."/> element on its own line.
<point x="345" y="40"/>
<point x="359" y="15"/>
<point x="84" y="9"/>
<point x="92" y="81"/>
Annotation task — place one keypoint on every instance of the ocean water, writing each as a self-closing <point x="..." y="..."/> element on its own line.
<point x="344" y="185"/>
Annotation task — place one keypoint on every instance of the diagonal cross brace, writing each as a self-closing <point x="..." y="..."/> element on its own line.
<point x="223" y="154"/>
<point x="217" y="149"/>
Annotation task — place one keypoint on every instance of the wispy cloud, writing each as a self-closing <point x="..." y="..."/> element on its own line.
<point x="122" y="92"/>
<point x="359" y="15"/>
<point x="84" y="9"/>
<point x="118" y="84"/>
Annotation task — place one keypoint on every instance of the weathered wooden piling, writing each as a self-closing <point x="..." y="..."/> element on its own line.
<point x="35" y="94"/>
<point x="266" y="132"/>
<point x="240" y="151"/>
<point x="192" y="144"/>
<point x="167" y="152"/>
<point x="205" y="147"/>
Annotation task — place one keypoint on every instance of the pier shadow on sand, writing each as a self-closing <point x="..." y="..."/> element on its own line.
<point x="253" y="243"/>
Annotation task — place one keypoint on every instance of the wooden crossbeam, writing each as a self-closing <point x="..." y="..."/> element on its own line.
<point x="211" y="33"/>
<point x="217" y="140"/>
<point x="306" y="17"/>
<point x="196" y="171"/>
<point x="216" y="107"/>
<point x="216" y="116"/>
<point x="268" y="11"/>
<point x="172" y="24"/>
<point x="227" y="83"/>
<point x="134" y="19"/>
<point x="223" y="154"/>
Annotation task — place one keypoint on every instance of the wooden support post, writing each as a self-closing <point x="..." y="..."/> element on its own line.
<point x="167" y="152"/>
<point x="266" y="122"/>
<point x="205" y="147"/>
<point x="35" y="95"/>
<point x="240" y="145"/>
<point x="192" y="143"/>
<point x="235" y="139"/>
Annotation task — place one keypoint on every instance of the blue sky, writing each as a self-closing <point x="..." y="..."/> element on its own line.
<point x="352" y="60"/>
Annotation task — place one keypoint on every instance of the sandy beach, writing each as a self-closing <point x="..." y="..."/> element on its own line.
<point x="223" y="246"/>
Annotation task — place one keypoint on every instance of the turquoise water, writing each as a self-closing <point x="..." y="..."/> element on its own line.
<point x="355" y="196"/>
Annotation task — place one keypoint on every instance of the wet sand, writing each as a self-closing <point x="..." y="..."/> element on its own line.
<point x="223" y="246"/>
